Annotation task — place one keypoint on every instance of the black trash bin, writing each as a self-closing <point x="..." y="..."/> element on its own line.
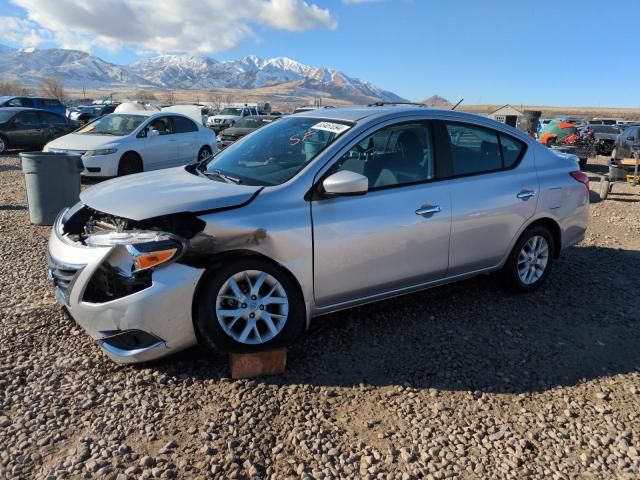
<point x="53" y="183"/>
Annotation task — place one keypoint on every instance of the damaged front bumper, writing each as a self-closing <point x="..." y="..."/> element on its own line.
<point x="151" y="322"/>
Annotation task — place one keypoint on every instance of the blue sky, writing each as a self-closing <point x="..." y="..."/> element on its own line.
<point x="492" y="51"/>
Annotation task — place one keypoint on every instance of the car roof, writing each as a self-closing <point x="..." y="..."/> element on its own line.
<point x="357" y="114"/>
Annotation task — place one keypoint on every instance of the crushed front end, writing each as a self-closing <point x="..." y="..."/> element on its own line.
<point x="122" y="281"/>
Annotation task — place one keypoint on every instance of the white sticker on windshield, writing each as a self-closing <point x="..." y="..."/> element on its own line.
<point x="336" y="128"/>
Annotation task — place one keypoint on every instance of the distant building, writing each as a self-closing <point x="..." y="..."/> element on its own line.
<point x="506" y="114"/>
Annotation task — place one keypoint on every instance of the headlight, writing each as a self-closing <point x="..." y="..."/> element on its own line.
<point x="102" y="151"/>
<point x="147" y="249"/>
<point x="45" y="148"/>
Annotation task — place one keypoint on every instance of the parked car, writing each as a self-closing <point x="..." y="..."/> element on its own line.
<point x="627" y="142"/>
<point x="314" y="213"/>
<point x="228" y="116"/>
<point x="30" y="128"/>
<point x="242" y="128"/>
<point x="49" y="104"/>
<point x="555" y="132"/>
<point x="126" y="143"/>
<point x="86" y="113"/>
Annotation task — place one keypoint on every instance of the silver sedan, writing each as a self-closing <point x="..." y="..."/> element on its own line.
<point x="318" y="212"/>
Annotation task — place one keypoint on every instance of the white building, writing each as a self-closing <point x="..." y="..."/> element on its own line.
<point x="506" y="114"/>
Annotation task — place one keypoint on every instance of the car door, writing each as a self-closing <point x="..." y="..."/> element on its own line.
<point x="159" y="149"/>
<point x="494" y="191"/>
<point x="27" y="129"/>
<point x="396" y="235"/>
<point x="53" y="126"/>
<point x="186" y="134"/>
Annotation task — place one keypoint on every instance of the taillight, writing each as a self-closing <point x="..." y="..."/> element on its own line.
<point x="581" y="177"/>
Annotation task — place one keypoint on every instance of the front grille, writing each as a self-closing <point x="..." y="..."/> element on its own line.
<point x="62" y="276"/>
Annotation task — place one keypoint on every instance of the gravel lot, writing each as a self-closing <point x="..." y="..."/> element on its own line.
<point x="463" y="381"/>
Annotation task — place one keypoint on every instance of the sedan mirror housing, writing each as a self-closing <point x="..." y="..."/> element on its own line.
<point x="345" y="182"/>
<point x="631" y="139"/>
<point x="153" y="133"/>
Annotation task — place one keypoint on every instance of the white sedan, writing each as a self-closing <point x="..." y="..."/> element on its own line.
<point x="124" y="143"/>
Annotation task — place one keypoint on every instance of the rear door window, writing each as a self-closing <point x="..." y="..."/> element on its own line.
<point x="28" y="118"/>
<point x="476" y="149"/>
<point x="52" y="119"/>
<point x="183" y="125"/>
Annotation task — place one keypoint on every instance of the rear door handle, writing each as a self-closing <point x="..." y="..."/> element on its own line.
<point x="526" y="194"/>
<point x="428" y="210"/>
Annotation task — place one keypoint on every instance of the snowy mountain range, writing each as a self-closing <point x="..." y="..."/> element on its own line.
<point x="80" y="69"/>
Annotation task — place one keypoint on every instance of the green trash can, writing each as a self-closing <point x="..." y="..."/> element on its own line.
<point x="53" y="183"/>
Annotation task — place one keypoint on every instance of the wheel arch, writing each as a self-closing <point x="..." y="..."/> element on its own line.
<point x="553" y="227"/>
<point x="213" y="262"/>
<point x="134" y="154"/>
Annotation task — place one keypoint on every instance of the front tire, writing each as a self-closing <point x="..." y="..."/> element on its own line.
<point x="130" y="163"/>
<point x="530" y="261"/>
<point x="249" y="305"/>
<point x="3" y="144"/>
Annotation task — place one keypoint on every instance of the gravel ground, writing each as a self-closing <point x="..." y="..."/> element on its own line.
<point x="463" y="381"/>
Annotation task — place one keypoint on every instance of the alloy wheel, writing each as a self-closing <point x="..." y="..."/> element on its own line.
<point x="252" y="307"/>
<point x="533" y="260"/>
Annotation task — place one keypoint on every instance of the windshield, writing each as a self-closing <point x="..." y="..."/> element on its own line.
<point x="231" y="111"/>
<point x="277" y="152"/>
<point x="4" y="116"/>
<point x="253" y="122"/>
<point x="115" y="124"/>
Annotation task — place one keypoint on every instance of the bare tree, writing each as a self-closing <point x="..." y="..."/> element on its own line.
<point x="144" y="95"/>
<point x="13" y="88"/>
<point x="170" y="97"/>
<point x="229" y="99"/>
<point x="54" y="87"/>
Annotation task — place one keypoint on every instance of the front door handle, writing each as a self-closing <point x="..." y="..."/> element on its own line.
<point x="428" y="210"/>
<point x="525" y="195"/>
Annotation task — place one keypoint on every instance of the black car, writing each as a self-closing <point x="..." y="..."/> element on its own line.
<point x="627" y="144"/>
<point x="85" y="113"/>
<point x="28" y="127"/>
<point x="243" y="127"/>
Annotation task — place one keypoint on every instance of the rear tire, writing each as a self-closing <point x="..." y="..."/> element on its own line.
<point x="530" y="261"/>
<point x="130" y="163"/>
<point x="204" y="153"/>
<point x="230" y="316"/>
<point x="583" y="163"/>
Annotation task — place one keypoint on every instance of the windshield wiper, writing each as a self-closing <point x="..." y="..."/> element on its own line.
<point x="226" y="178"/>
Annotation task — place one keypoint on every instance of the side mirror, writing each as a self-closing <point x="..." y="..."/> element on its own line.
<point x="153" y="133"/>
<point x="631" y="139"/>
<point x="345" y="183"/>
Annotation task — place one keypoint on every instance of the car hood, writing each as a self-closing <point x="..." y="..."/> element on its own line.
<point x="162" y="192"/>
<point x="75" y="141"/>
<point x="237" y="132"/>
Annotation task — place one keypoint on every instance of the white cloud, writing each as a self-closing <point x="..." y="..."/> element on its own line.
<point x="160" y="26"/>
<point x="23" y="32"/>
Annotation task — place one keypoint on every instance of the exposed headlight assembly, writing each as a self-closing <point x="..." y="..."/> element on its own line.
<point x="101" y="151"/>
<point x="147" y="249"/>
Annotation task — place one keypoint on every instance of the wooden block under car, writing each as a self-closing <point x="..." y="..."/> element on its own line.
<point x="250" y="365"/>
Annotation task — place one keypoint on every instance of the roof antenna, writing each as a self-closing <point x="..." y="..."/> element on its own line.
<point x="456" y="105"/>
